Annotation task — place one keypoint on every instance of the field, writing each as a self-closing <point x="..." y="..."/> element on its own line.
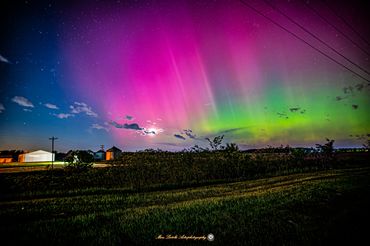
<point x="308" y="208"/>
<point x="15" y="167"/>
<point x="33" y="166"/>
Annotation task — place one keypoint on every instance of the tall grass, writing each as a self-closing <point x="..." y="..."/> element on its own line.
<point x="155" y="169"/>
<point x="297" y="209"/>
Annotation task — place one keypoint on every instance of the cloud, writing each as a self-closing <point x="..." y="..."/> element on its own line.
<point x="359" y="87"/>
<point x="51" y="106"/>
<point x="190" y="133"/>
<point x="63" y="116"/>
<point x="3" y="59"/>
<point x="227" y="132"/>
<point x="231" y="130"/>
<point x="169" y="144"/>
<point x="282" y="115"/>
<point x="133" y="126"/>
<point x="339" y="98"/>
<point x="99" y="127"/>
<point x="115" y="124"/>
<point x="2" y="108"/>
<point x="146" y="132"/>
<point x="360" y="136"/>
<point x="294" y="109"/>
<point x="128" y="117"/>
<point x="179" y="136"/>
<point x="22" y="101"/>
<point x="27" y="110"/>
<point x="80" y="107"/>
<point x="348" y="90"/>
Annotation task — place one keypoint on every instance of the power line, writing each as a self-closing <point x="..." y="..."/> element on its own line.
<point x="52" y="151"/>
<point x="304" y="41"/>
<point x="347" y="23"/>
<point x="315" y="36"/>
<point x="336" y="28"/>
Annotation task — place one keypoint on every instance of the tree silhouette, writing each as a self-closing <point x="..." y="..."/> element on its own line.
<point x="326" y="156"/>
<point x="79" y="159"/>
<point x="367" y="145"/>
<point x="216" y="142"/>
<point x="231" y="147"/>
<point x="327" y="148"/>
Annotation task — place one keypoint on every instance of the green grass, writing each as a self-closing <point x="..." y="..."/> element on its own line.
<point x="298" y="209"/>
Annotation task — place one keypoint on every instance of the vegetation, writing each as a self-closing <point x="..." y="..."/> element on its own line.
<point x="79" y="160"/>
<point x="367" y="145"/>
<point x="143" y="170"/>
<point x="313" y="208"/>
<point x="275" y="196"/>
<point x="14" y="154"/>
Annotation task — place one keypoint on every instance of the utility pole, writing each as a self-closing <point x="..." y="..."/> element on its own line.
<point x="52" y="151"/>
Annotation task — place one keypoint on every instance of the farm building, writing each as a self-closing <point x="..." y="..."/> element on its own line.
<point x="36" y="156"/>
<point x="99" y="155"/>
<point x="6" y="159"/>
<point x="113" y="153"/>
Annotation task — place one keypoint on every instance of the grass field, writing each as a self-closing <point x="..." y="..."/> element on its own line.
<point x="16" y="167"/>
<point x="317" y="208"/>
<point x="29" y="164"/>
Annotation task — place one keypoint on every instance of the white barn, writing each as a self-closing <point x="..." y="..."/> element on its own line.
<point x="36" y="156"/>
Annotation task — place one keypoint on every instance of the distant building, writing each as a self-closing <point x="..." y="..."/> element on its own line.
<point x="113" y="153"/>
<point x="6" y="159"/>
<point x="36" y="156"/>
<point x="7" y="156"/>
<point x="99" y="155"/>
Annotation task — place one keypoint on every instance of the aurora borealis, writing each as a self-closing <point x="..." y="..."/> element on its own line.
<point x="167" y="74"/>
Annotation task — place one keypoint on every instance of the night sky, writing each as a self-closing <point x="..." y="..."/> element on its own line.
<point x="167" y="74"/>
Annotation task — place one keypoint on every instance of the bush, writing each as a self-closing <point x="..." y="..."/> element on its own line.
<point x="79" y="160"/>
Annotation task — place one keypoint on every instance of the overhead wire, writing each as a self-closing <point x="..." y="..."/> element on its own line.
<point x="336" y="28"/>
<point x="304" y="41"/>
<point x="346" y="22"/>
<point x="315" y="36"/>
